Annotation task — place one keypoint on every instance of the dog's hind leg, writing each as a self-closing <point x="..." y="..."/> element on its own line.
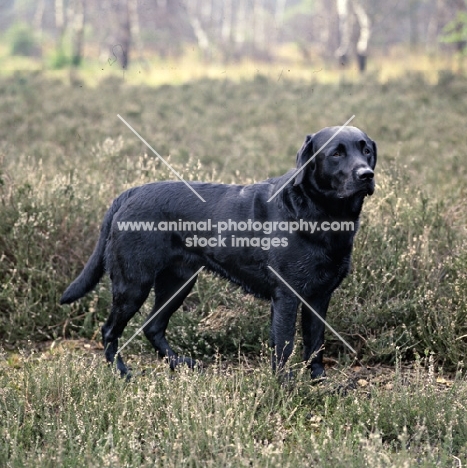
<point x="128" y="297"/>
<point x="169" y="297"/>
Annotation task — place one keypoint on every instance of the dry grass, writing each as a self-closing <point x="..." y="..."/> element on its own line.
<point x="64" y="407"/>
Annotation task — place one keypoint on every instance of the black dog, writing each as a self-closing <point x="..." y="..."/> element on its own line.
<point x="329" y="190"/>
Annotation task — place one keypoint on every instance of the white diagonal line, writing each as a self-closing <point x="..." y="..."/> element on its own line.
<point x="152" y="317"/>
<point x="311" y="159"/>
<point x="313" y="310"/>
<point x="161" y="158"/>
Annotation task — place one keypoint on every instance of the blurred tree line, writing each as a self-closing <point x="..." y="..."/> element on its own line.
<point x="229" y="30"/>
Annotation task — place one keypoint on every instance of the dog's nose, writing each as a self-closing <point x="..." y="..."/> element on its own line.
<point x="365" y="173"/>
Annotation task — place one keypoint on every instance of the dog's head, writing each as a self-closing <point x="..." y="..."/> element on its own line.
<point x="338" y="165"/>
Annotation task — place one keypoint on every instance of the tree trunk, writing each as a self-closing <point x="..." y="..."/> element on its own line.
<point x="460" y="8"/>
<point x="432" y="29"/>
<point x="196" y="11"/>
<point x="343" y="12"/>
<point x="279" y="17"/>
<point x="37" y="21"/>
<point x="59" y="24"/>
<point x="116" y="25"/>
<point x="259" y="42"/>
<point x="413" y="6"/>
<point x="201" y="36"/>
<point x="362" y="44"/>
<point x="78" y="32"/>
<point x="240" y="26"/>
<point x="279" y="12"/>
<point x="124" y="32"/>
<point x="38" y="16"/>
<point x="135" y="32"/>
<point x="226" y="29"/>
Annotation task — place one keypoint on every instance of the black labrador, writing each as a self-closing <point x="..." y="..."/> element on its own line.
<point x="238" y="234"/>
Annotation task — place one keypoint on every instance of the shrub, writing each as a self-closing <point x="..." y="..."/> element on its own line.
<point x="22" y="40"/>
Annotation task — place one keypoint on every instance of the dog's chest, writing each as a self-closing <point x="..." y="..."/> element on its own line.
<point x="325" y="263"/>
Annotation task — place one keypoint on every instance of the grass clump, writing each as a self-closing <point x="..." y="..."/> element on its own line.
<point x="66" y="408"/>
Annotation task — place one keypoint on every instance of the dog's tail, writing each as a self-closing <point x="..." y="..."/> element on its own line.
<point x="95" y="266"/>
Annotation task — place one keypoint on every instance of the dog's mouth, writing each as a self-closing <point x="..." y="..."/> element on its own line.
<point x="371" y="187"/>
<point x="352" y="189"/>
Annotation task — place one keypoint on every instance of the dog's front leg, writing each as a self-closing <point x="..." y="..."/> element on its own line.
<point x="313" y="334"/>
<point x="283" y="317"/>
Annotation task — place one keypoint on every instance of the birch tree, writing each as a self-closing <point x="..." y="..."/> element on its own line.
<point x="348" y="11"/>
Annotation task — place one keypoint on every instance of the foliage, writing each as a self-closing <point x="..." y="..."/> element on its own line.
<point x="59" y="59"/>
<point x="456" y="30"/>
<point x="22" y="40"/>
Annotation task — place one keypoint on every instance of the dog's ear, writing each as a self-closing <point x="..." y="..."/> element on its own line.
<point x="303" y="155"/>
<point x="375" y="151"/>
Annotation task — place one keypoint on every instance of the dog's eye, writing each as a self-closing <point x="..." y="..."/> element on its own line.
<point x="336" y="154"/>
<point x="366" y="151"/>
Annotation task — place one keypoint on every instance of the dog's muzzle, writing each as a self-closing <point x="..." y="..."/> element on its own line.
<point x="365" y="176"/>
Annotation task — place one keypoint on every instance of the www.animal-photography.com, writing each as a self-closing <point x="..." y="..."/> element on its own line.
<point x="233" y="233"/>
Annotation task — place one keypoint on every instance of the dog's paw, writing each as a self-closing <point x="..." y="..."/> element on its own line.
<point x="175" y="361"/>
<point x="121" y="369"/>
<point x="317" y="371"/>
